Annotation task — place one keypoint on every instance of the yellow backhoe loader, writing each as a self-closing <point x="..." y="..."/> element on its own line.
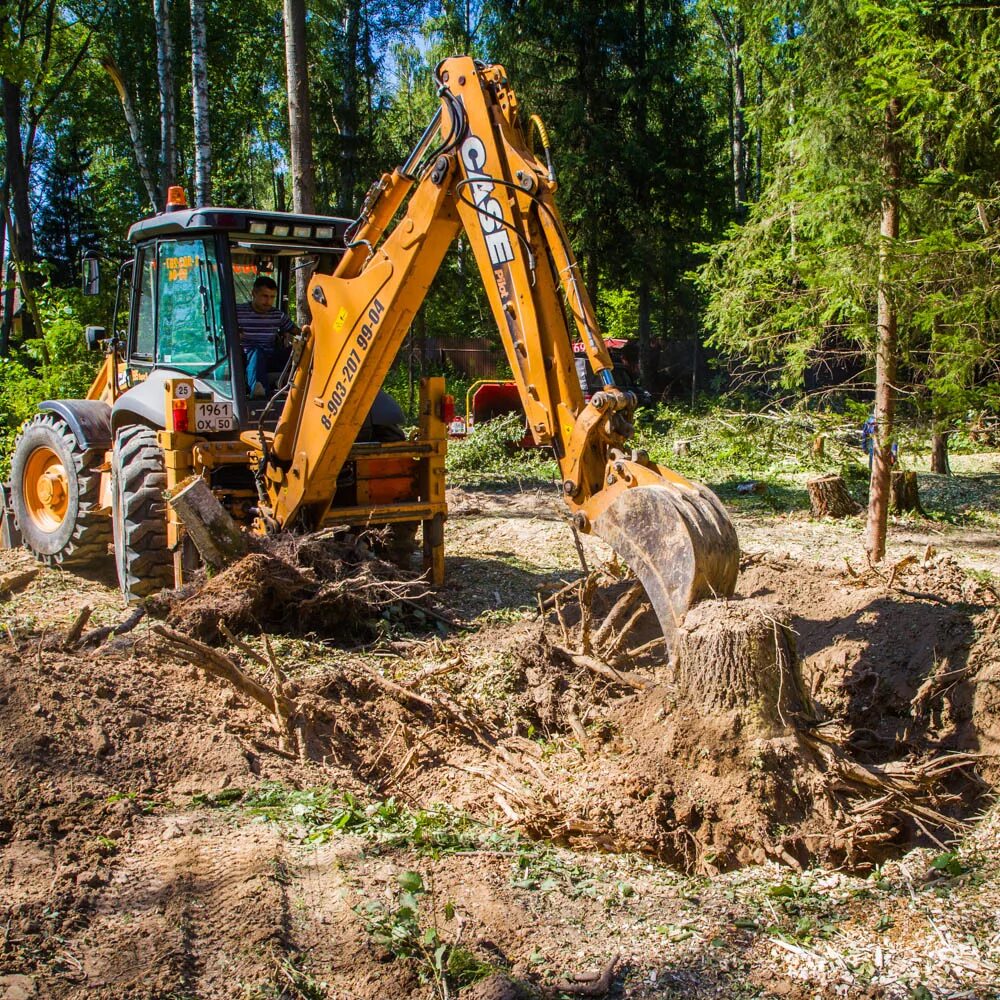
<point x="325" y="448"/>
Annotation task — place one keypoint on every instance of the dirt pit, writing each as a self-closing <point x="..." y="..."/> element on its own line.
<point x="584" y="731"/>
<point x="897" y="745"/>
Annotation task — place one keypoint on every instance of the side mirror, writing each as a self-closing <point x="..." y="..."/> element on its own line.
<point x="94" y="335"/>
<point x="91" y="266"/>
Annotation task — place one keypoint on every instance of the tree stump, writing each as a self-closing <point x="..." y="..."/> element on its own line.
<point x="216" y="536"/>
<point x="740" y="656"/>
<point x="939" y="453"/>
<point x="828" y="497"/>
<point x="904" y="493"/>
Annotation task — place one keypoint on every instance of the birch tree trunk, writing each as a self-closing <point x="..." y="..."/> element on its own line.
<point x="299" y="129"/>
<point x="132" y="120"/>
<point x="886" y="356"/>
<point x="199" y="105"/>
<point x="165" y="76"/>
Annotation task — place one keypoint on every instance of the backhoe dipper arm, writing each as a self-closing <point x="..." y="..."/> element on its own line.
<point x="484" y="179"/>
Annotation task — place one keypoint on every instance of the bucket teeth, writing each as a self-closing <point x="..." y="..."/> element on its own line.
<point x="679" y="542"/>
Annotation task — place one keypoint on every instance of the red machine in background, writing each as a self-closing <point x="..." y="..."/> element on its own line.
<point x="491" y="398"/>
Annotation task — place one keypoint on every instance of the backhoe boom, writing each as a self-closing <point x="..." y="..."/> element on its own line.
<point x="484" y="179"/>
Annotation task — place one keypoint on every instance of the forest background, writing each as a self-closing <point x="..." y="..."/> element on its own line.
<point x="785" y="201"/>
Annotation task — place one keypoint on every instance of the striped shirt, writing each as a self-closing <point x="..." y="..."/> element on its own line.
<point x="261" y="330"/>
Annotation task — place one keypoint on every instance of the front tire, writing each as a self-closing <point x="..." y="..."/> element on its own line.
<point x="139" y="514"/>
<point x="55" y="493"/>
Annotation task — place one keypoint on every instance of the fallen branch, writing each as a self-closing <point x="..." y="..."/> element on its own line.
<point x="400" y="693"/>
<point x="282" y="710"/>
<point x="96" y="636"/>
<point x="618" y="611"/>
<point x="590" y="985"/>
<point x="14" y="581"/>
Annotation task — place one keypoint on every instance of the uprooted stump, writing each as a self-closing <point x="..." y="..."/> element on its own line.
<point x="321" y="583"/>
<point x="828" y="497"/>
<point x="740" y="656"/>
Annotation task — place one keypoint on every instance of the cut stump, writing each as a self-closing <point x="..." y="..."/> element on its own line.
<point x="828" y="497"/>
<point x="904" y="493"/>
<point x="740" y="656"/>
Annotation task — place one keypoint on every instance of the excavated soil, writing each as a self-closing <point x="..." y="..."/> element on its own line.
<point x="119" y="882"/>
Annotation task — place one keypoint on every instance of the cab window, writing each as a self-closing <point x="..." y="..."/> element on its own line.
<point x="190" y="335"/>
<point x="145" y="327"/>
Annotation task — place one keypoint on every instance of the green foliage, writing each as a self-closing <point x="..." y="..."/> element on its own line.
<point x="54" y="366"/>
<point x="321" y="814"/>
<point x="792" y="294"/>
<point x="493" y="450"/>
<point x="407" y="933"/>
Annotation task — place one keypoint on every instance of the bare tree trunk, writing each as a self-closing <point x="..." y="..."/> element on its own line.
<point x="732" y="34"/>
<point x="739" y="125"/>
<point x="646" y="374"/>
<point x="349" y="127"/>
<point x="17" y="207"/>
<point x="165" y="76"/>
<point x="199" y="103"/>
<point x="132" y="120"/>
<point x="887" y="350"/>
<point x="6" y="294"/>
<point x="299" y="128"/>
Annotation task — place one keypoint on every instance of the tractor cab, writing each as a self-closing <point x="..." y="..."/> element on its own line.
<point x="191" y="277"/>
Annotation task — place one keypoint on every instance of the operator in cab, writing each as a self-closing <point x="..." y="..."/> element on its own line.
<point x="264" y="332"/>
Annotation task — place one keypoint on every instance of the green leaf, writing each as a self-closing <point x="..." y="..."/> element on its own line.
<point x="411" y="881"/>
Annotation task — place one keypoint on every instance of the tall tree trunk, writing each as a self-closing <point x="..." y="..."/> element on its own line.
<point x="731" y="32"/>
<point x="641" y="122"/>
<point x="887" y="351"/>
<point x="349" y="125"/>
<point x="199" y="104"/>
<point x="6" y="293"/>
<point x="299" y="129"/>
<point x="132" y="120"/>
<point x="758" y="157"/>
<point x="646" y="374"/>
<point x="165" y="77"/>
<point x="17" y="207"/>
<point x="739" y="124"/>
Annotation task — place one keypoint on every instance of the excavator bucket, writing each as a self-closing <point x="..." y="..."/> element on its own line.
<point x="678" y="540"/>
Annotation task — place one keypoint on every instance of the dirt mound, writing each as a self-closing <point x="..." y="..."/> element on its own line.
<point x="325" y="583"/>
<point x="879" y="759"/>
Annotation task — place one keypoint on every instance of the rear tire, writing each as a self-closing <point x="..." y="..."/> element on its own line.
<point x="55" y="493"/>
<point x="138" y="478"/>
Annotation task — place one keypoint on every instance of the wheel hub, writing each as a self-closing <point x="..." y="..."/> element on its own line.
<point x="46" y="489"/>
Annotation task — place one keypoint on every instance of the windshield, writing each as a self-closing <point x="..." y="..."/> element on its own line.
<point x="190" y="334"/>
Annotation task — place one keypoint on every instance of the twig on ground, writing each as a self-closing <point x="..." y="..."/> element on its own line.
<point x="595" y="985"/>
<point x="76" y="629"/>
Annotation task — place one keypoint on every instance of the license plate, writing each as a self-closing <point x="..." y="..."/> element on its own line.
<point x="210" y="417"/>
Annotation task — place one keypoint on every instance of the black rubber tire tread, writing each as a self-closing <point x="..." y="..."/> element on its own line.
<point x="138" y="477"/>
<point x="82" y="540"/>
